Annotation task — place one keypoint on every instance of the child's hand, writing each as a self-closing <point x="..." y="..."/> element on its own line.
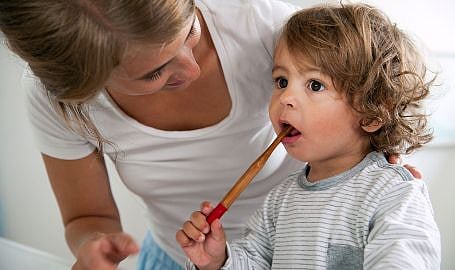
<point x="204" y="244"/>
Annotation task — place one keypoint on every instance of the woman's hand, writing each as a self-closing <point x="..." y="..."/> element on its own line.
<point x="105" y="251"/>
<point x="395" y="159"/>
<point x="203" y="243"/>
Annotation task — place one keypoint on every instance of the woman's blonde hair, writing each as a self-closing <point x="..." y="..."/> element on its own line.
<point x="374" y="64"/>
<point x="72" y="46"/>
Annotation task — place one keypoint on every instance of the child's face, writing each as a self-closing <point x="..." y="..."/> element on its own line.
<point x="326" y="126"/>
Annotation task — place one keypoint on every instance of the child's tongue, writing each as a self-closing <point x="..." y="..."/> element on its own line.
<point x="293" y="132"/>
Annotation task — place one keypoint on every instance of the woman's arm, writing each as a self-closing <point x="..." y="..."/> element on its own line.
<point x="92" y="223"/>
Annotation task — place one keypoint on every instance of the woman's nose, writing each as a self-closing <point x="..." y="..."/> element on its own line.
<point x="189" y="69"/>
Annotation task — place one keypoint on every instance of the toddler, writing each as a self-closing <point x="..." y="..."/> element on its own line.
<point x="351" y="85"/>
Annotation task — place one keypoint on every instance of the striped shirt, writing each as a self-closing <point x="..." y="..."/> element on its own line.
<point x="373" y="216"/>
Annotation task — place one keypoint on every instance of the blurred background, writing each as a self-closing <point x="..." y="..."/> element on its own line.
<point x="29" y="213"/>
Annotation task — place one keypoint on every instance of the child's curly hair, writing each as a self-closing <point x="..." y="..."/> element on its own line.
<point x="373" y="63"/>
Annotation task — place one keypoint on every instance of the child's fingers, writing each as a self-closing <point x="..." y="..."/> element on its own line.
<point x="183" y="239"/>
<point x="198" y="220"/>
<point x="217" y="231"/>
<point x="206" y="207"/>
<point x="192" y="232"/>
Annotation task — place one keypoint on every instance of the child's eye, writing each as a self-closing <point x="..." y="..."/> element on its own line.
<point x="281" y="82"/>
<point x="316" y="86"/>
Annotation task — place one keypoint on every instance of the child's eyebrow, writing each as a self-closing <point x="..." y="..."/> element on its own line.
<point x="276" y="67"/>
<point x="308" y="67"/>
<point x="314" y="70"/>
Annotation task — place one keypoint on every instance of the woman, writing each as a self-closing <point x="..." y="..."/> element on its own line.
<point x="175" y="92"/>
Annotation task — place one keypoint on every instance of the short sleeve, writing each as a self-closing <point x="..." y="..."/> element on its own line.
<point x="53" y="137"/>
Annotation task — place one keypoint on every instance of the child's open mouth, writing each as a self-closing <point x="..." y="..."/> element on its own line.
<point x="292" y="136"/>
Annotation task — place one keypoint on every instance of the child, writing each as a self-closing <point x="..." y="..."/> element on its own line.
<point x="351" y="85"/>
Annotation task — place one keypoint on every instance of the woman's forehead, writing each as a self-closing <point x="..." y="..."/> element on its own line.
<point x="143" y="57"/>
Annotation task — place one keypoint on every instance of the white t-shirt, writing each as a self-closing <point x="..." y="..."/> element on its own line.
<point x="173" y="171"/>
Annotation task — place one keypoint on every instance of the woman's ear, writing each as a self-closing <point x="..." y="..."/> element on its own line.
<point x="373" y="126"/>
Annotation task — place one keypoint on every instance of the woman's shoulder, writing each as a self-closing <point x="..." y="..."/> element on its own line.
<point x="264" y="16"/>
<point x="267" y="6"/>
<point x="32" y="85"/>
<point x="37" y="100"/>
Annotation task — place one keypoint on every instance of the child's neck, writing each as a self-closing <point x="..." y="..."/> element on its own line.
<point x="323" y="169"/>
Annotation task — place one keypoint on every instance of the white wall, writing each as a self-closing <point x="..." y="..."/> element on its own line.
<point x="29" y="214"/>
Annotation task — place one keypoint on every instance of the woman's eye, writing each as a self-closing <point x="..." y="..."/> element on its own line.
<point x="153" y="77"/>
<point x="316" y="86"/>
<point x="193" y="31"/>
<point x="281" y="82"/>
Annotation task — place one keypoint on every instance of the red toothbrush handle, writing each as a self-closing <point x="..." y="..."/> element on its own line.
<point x="217" y="212"/>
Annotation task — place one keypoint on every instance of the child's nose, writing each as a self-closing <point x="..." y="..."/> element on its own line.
<point x="287" y="98"/>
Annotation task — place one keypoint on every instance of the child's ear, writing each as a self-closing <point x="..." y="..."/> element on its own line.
<point x="373" y="126"/>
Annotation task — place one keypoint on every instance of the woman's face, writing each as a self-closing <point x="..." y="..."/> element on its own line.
<point x="147" y="69"/>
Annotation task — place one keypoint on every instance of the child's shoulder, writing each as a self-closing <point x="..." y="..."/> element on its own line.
<point x="285" y="185"/>
<point x="384" y="177"/>
<point x="378" y="168"/>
